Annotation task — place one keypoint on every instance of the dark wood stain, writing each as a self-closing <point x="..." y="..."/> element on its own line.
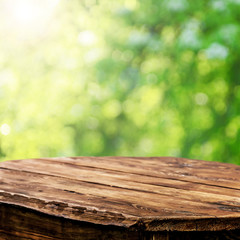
<point x="118" y="198"/>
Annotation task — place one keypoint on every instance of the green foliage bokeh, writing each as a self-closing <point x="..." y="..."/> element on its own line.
<point x="139" y="78"/>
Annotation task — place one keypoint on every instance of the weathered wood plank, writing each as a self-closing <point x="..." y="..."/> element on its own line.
<point x="221" y="235"/>
<point x="165" y="167"/>
<point x="157" y="193"/>
<point x="116" y="190"/>
<point x="25" y="224"/>
<point x="122" y="181"/>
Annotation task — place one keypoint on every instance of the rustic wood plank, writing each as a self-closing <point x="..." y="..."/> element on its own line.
<point x="154" y="194"/>
<point x="176" y="168"/>
<point x="117" y="188"/>
<point x="221" y="235"/>
<point x="32" y="225"/>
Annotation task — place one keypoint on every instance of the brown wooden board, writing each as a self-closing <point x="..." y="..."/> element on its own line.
<point x="138" y="194"/>
<point x="18" y="223"/>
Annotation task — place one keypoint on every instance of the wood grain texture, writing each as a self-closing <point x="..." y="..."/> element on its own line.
<point x="209" y="235"/>
<point x="18" y="223"/>
<point x="139" y="194"/>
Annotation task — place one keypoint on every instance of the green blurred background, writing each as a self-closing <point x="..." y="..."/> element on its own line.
<point x="132" y="77"/>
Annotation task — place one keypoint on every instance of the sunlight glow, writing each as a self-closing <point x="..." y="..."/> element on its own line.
<point x="5" y="129"/>
<point x="25" y="13"/>
<point x="87" y="38"/>
<point x="28" y="16"/>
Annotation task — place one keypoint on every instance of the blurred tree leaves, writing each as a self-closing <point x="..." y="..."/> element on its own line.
<point x="120" y="78"/>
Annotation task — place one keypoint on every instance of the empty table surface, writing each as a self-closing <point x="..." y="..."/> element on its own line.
<point x="154" y="194"/>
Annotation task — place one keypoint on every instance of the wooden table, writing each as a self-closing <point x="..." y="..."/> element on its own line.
<point x="119" y="198"/>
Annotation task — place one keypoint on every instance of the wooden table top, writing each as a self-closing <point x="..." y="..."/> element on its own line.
<point x="155" y="194"/>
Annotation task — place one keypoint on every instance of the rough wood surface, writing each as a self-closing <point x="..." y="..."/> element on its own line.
<point x="18" y="223"/>
<point x="141" y="194"/>
<point x="209" y="235"/>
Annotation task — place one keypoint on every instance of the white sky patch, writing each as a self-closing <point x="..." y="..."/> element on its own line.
<point x="235" y="1"/>
<point x="87" y="38"/>
<point x="189" y="38"/>
<point x="137" y="38"/>
<point x="176" y="5"/>
<point x="216" y="51"/>
<point x="219" y="5"/>
<point x="5" y="129"/>
<point x="189" y="35"/>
